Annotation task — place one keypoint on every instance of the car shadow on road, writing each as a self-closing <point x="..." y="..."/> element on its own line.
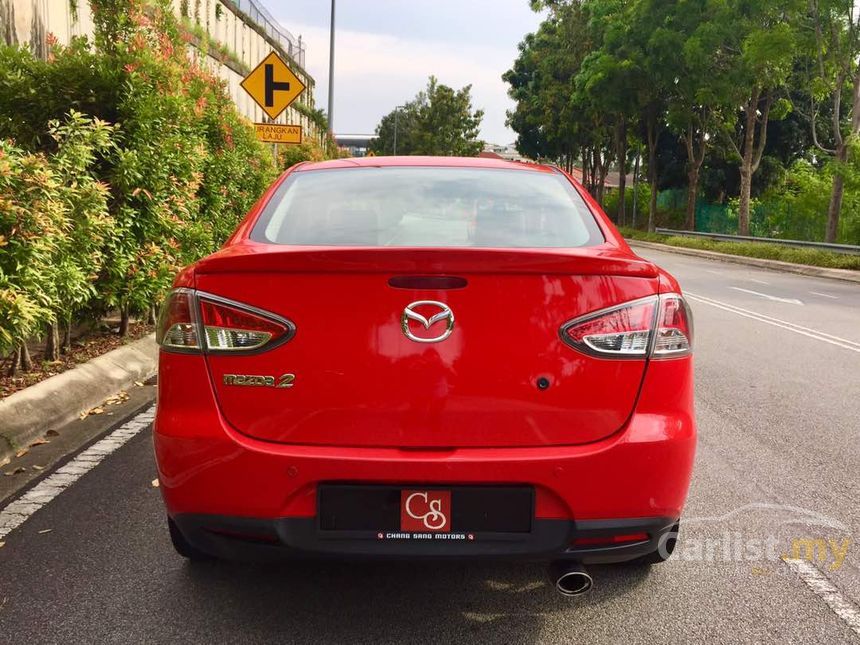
<point x="327" y="601"/>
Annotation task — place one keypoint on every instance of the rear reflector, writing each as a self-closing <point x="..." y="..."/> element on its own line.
<point x="656" y="326"/>
<point x="610" y="539"/>
<point x="190" y="321"/>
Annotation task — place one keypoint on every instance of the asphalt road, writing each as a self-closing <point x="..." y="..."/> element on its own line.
<point x="778" y="360"/>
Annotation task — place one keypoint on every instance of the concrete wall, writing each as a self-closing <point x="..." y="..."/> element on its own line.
<point x="29" y="22"/>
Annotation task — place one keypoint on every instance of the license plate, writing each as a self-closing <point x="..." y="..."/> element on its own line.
<point x="362" y="510"/>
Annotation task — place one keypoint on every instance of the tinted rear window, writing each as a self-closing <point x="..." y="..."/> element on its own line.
<point x="427" y="207"/>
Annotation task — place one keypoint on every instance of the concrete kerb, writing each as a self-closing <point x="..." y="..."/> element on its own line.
<point x="50" y="404"/>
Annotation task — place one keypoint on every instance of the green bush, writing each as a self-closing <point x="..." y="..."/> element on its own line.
<point x="54" y="225"/>
<point x="612" y="198"/>
<point x="120" y="163"/>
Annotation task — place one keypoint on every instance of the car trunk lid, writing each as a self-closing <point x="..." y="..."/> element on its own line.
<point x="503" y="377"/>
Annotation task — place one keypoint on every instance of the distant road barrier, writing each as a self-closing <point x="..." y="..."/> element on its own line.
<point x="824" y="246"/>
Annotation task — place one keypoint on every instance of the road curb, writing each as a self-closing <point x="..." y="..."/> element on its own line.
<point x="54" y="402"/>
<point x="774" y="265"/>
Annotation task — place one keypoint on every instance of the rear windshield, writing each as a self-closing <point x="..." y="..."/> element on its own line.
<point x="427" y="207"/>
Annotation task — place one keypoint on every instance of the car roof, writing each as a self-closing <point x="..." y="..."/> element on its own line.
<point x="404" y="161"/>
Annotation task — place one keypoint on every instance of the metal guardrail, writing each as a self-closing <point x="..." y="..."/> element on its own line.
<point x="294" y="47"/>
<point x="824" y="246"/>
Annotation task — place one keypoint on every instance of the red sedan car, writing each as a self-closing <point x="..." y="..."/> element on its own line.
<point x="426" y="357"/>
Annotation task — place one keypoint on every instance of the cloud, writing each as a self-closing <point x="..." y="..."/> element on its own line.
<point x="375" y="72"/>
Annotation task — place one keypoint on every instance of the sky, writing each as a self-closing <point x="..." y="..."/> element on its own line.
<point x="385" y="50"/>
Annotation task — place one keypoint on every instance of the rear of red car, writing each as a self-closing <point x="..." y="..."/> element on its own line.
<point x="425" y="357"/>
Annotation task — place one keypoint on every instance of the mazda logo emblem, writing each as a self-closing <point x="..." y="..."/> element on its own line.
<point x="444" y="313"/>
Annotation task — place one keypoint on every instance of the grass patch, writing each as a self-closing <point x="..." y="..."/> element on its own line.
<point x="766" y="250"/>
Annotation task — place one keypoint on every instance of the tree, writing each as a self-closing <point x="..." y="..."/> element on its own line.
<point x="439" y="121"/>
<point x="692" y="98"/>
<point x="747" y="50"/>
<point x="395" y="132"/>
<point x="556" y="116"/>
<point x="835" y="48"/>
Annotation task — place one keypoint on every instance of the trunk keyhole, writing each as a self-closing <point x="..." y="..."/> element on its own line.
<point x="542" y="383"/>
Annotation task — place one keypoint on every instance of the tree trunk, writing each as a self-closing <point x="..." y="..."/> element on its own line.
<point x="26" y="359"/>
<point x="692" y="192"/>
<point x="622" y="172"/>
<point x="67" y="337"/>
<point x="751" y="155"/>
<point x="652" y="173"/>
<point x="123" y="321"/>
<point x="584" y="158"/>
<point x="834" y="209"/>
<point x="152" y="315"/>
<point x="744" y="207"/>
<point x="652" y="205"/>
<point x="635" y="185"/>
<point x="52" y="342"/>
<point x="16" y="360"/>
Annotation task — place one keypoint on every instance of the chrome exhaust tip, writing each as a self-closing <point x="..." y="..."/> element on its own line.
<point x="570" y="578"/>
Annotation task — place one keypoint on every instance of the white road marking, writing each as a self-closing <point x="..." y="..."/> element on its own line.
<point x="19" y="511"/>
<point x="791" y="301"/>
<point x="776" y="322"/>
<point x="827" y="591"/>
<point x="824" y="295"/>
<point x="757" y="281"/>
<point x="714" y="272"/>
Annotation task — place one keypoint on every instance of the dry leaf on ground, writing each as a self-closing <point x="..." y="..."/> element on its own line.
<point x="155" y="483"/>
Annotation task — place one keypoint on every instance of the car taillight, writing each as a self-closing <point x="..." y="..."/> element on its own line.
<point x="656" y="326"/>
<point x="229" y="326"/>
<point x="177" y="323"/>
<point x="191" y="321"/>
<point x="674" y="327"/>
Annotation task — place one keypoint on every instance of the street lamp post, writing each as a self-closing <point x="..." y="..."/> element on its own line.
<point x="331" y="74"/>
<point x="396" y="112"/>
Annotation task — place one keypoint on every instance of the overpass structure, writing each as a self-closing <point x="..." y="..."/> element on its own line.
<point x="358" y="145"/>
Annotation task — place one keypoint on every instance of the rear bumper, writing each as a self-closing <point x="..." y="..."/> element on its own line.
<point x="210" y="473"/>
<point x="238" y="538"/>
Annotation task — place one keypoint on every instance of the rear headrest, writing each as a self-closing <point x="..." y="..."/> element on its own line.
<point x="352" y="226"/>
<point x="499" y="227"/>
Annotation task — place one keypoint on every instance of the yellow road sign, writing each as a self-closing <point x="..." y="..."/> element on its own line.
<point x="273" y="85"/>
<point x="278" y="133"/>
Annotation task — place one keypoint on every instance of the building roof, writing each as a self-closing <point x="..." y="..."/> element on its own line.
<point x="489" y="154"/>
<point x="612" y="177"/>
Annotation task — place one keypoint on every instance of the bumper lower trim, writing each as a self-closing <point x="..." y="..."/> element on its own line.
<point x="239" y="538"/>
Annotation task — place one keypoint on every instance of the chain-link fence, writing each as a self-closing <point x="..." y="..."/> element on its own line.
<point x="777" y="218"/>
<point x="260" y="15"/>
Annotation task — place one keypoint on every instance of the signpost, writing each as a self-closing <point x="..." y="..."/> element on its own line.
<point x="278" y="133"/>
<point x="274" y="86"/>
